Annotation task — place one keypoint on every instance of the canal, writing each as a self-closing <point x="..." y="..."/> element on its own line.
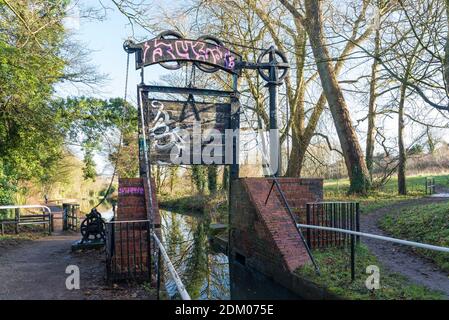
<point x="205" y="271"/>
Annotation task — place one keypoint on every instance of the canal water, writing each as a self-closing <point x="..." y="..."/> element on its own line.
<point x="207" y="273"/>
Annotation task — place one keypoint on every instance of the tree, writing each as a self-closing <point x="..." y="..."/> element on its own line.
<point x="212" y="174"/>
<point x="355" y="162"/>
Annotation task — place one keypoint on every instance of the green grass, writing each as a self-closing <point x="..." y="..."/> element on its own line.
<point x="194" y="203"/>
<point x="10" y="239"/>
<point x="427" y="224"/>
<point x="336" y="190"/>
<point x="335" y="277"/>
<point x="216" y="205"/>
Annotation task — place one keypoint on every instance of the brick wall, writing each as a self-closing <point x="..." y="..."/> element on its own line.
<point x="265" y="235"/>
<point x="132" y="203"/>
<point x="131" y="239"/>
<point x="299" y="192"/>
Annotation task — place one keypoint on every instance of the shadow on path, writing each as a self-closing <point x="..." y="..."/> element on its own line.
<point x="36" y="270"/>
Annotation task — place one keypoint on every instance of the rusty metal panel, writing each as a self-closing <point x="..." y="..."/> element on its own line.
<point x="167" y="50"/>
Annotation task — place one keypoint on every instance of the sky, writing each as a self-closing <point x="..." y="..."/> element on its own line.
<point x="104" y="39"/>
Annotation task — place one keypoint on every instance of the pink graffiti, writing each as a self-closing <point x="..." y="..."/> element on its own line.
<point x="161" y="50"/>
<point x="131" y="190"/>
<point x="165" y="47"/>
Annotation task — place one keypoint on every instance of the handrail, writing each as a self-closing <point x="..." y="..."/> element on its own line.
<point x="33" y="206"/>
<point x="26" y="206"/>
<point x="127" y="221"/>
<point x="309" y="252"/>
<point x="378" y="237"/>
<point x="179" y="285"/>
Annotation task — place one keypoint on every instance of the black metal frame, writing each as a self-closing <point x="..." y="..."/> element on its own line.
<point x="44" y="219"/>
<point x="430" y="186"/>
<point x="70" y="219"/>
<point x="234" y="120"/>
<point x="128" y="261"/>
<point x="274" y="79"/>
<point x="341" y="215"/>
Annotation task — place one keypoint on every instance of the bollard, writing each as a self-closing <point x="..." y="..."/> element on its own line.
<point x="17" y="212"/>
<point x="65" y="213"/>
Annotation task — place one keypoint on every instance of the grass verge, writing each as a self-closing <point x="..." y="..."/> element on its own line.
<point x="427" y="224"/>
<point x="27" y="233"/>
<point x="335" y="277"/>
<point x="336" y="190"/>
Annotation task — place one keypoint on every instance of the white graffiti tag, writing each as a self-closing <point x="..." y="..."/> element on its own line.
<point x="165" y="139"/>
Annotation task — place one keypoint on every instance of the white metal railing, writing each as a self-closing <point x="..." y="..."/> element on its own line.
<point x="179" y="285"/>
<point x="178" y="282"/>
<point x="27" y="206"/>
<point x="32" y="206"/>
<point x="375" y="236"/>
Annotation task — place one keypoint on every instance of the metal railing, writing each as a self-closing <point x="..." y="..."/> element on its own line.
<point x="179" y="285"/>
<point x="70" y="218"/>
<point x="128" y="254"/>
<point x="430" y="186"/>
<point x="343" y="215"/>
<point x="34" y="219"/>
<point x="161" y="250"/>
<point x="354" y="234"/>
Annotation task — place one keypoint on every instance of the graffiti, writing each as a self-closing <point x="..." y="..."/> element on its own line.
<point x="182" y="129"/>
<point x="131" y="190"/>
<point x="164" y="138"/>
<point x="166" y="50"/>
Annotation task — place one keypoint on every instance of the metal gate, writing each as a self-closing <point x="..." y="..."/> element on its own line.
<point x="70" y="216"/>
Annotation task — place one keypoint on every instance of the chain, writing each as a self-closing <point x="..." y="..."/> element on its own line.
<point x="125" y="97"/>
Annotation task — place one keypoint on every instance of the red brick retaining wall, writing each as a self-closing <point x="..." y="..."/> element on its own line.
<point x="265" y="236"/>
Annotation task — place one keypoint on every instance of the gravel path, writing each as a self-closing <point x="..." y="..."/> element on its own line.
<point x="402" y="259"/>
<point x="36" y="270"/>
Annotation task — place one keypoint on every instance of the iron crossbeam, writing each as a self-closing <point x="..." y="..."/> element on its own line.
<point x="193" y="91"/>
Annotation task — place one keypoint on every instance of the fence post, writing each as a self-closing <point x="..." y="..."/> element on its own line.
<point x="308" y="231"/>
<point x="357" y="220"/>
<point x="76" y="212"/>
<point x="149" y="251"/>
<point x="65" y="212"/>
<point x="108" y="252"/>
<point x="158" y="273"/>
<point x="17" y="212"/>
<point x="433" y="186"/>
<point x="352" y="257"/>
<point x="426" y="185"/>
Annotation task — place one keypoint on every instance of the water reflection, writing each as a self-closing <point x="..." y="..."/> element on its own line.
<point x="104" y="208"/>
<point x="206" y="273"/>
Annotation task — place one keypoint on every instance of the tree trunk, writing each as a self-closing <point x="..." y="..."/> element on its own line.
<point x="355" y="162"/>
<point x="402" y="187"/>
<point x="212" y="173"/>
<point x="372" y="108"/>
<point x="446" y="51"/>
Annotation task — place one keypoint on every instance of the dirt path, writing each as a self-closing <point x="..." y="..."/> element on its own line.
<point x="401" y="259"/>
<point x="36" y="270"/>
